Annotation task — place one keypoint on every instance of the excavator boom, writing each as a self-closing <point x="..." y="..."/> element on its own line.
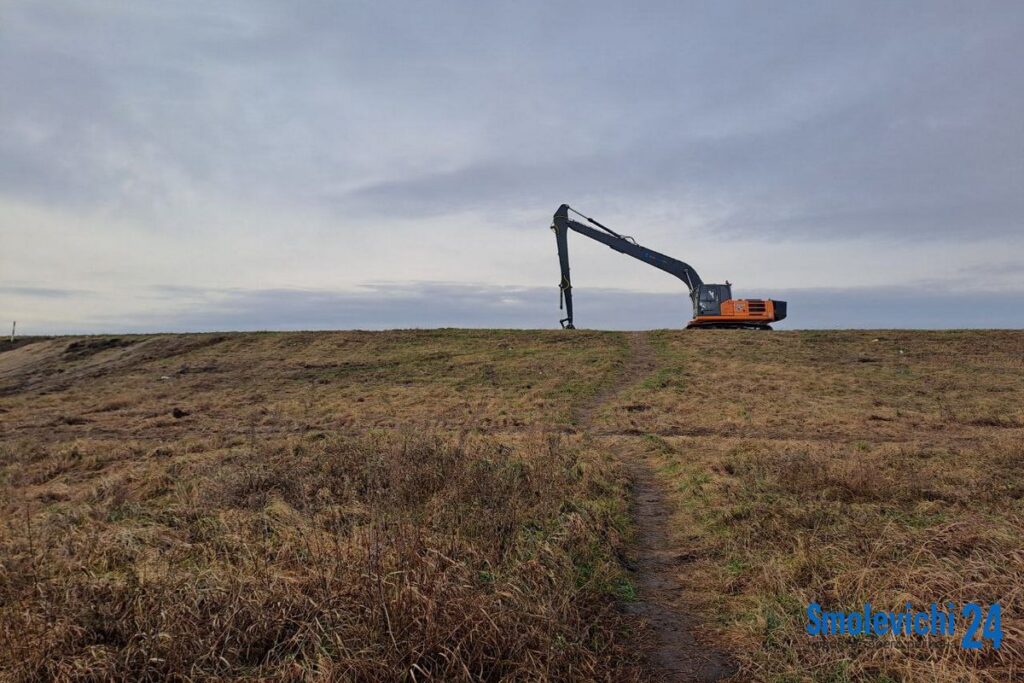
<point x="713" y="305"/>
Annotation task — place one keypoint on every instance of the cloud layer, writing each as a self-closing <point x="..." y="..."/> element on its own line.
<point x="433" y="304"/>
<point x="265" y="147"/>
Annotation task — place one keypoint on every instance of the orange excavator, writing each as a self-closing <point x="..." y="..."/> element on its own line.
<point x="713" y="305"/>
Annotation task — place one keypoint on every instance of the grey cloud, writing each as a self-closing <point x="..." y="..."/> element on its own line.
<point x="791" y="123"/>
<point x="40" y="292"/>
<point x="897" y="120"/>
<point x="993" y="277"/>
<point x="409" y="305"/>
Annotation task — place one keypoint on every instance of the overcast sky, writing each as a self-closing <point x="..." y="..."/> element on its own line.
<point x="278" y="165"/>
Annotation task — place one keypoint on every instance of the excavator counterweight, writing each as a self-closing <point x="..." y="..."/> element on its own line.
<point x="713" y="305"/>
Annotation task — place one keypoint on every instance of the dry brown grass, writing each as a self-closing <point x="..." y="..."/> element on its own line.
<point x="371" y="558"/>
<point x="842" y="468"/>
<point x="343" y="381"/>
<point x="421" y="506"/>
<point x="339" y="506"/>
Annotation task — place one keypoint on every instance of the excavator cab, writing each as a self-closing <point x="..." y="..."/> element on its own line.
<point x="710" y="297"/>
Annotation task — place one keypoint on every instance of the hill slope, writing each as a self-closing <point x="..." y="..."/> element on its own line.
<point x="455" y="504"/>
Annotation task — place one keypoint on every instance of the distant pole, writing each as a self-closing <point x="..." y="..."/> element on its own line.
<point x="13" y="325"/>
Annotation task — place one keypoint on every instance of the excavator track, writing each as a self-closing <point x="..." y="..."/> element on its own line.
<point x="729" y="326"/>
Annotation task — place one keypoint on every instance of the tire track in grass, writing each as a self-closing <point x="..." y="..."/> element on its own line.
<point x="675" y="654"/>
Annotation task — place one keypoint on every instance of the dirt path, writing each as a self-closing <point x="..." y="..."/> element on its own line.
<point x="677" y="655"/>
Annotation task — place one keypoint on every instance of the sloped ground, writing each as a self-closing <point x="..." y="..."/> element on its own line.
<point x="352" y="506"/>
<point x="843" y="468"/>
<point x="454" y="504"/>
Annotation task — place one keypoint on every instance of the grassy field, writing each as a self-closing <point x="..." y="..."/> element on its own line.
<point x="429" y="505"/>
<point x="842" y="468"/>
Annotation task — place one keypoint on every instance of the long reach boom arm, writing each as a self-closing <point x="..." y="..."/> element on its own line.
<point x="620" y="243"/>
